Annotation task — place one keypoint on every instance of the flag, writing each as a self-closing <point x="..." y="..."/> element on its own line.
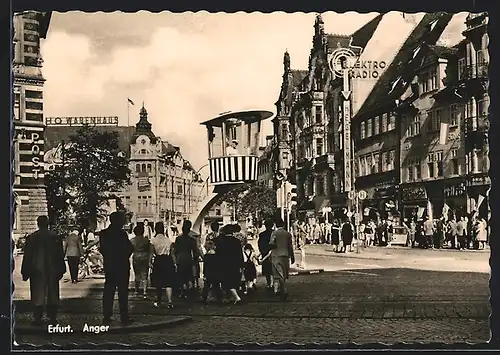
<point x="420" y="212"/>
<point x="446" y="208"/>
<point x="429" y="210"/>
<point x="443" y="133"/>
<point x="130" y="101"/>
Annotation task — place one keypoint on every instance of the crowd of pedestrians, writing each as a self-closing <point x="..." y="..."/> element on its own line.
<point x="223" y="258"/>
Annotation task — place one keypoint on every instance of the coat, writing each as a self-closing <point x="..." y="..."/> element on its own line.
<point x="74" y="245"/>
<point x="116" y="249"/>
<point x="43" y="264"/>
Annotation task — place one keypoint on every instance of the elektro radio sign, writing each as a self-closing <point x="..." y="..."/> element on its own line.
<point x="80" y="121"/>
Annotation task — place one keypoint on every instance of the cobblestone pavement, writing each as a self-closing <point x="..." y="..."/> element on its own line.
<point x="372" y="305"/>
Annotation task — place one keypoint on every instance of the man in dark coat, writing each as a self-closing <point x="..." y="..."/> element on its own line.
<point x="116" y="250"/>
<point x="230" y="258"/>
<point x="264" y="249"/>
<point x="43" y="264"/>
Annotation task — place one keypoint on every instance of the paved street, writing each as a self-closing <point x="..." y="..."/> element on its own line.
<point x="364" y="300"/>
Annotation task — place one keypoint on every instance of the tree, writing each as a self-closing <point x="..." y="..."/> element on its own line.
<point x="251" y="199"/>
<point x="94" y="170"/>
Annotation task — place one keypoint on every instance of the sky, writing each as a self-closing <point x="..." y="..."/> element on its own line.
<point x="186" y="68"/>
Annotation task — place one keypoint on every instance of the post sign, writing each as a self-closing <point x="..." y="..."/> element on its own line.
<point x="80" y="121"/>
<point x="35" y="152"/>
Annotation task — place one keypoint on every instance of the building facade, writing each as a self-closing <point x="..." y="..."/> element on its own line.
<point x="164" y="186"/>
<point x="28" y="142"/>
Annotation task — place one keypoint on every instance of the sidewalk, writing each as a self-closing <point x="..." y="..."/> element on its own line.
<point x="394" y="252"/>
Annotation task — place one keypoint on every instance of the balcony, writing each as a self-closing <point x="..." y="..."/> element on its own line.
<point x="477" y="124"/>
<point x="475" y="71"/>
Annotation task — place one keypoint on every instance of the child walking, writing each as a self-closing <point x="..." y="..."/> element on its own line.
<point x="211" y="273"/>
<point x="249" y="269"/>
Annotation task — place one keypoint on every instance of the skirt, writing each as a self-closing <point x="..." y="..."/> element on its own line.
<point x="141" y="268"/>
<point x="281" y="267"/>
<point x="163" y="273"/>
<point x="250" y="271"/>
<point x="231" y="278"/>
<point x="267" y="267"/>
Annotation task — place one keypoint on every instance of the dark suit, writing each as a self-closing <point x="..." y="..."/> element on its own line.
<point x="116" y="250"/>
<point x="43" y="264"/>
<point x="230" y="255"/>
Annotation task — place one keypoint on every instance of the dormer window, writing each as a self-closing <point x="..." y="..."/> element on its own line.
<point x="143" y="151"/>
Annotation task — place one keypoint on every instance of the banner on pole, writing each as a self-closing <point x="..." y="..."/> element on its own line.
<point x="443" y="133"/>
<point x="420" y="212"/>
<point x="480" y="200"/>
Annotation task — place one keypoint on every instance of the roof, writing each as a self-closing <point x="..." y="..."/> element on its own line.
<point x="55" y="134"/>
<point x="362" y="36"/>
<point x="401" y="71"/>
<point x="248" y="116"/>
<point x="298" y="76"/>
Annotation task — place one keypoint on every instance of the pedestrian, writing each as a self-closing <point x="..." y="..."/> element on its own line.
<point x="347" y="234"/>
<point x="461" y="233"/>
<point x="412" y="230"/>
<point x="249" y="269"/>
<point x="482" y="233"/>
<point x="469" y="231"/>
<point x="264" y="249"/>
<point x="43" y="265"/>
<point x="140" y="261"/>
<point x="452" y="233"/>
<point x="428" y="233"/>
<point x="301" y="235"/>
<point x="213" y="234"/>
<point x="162" y="263"/>
<point x="281" y="256"/>
<point x="336" y="236"/>
<point x="362" y="235"/>
<point x="148" y="230"/>
<point x="197" y="259"/>
<point x="116" y="250"/>
<point x="230" y="257"/>
<point x="439" y="233"/>
<point x="74" y="253"/>
<point x="211" y="273"/>
<point x="185" y="252"/>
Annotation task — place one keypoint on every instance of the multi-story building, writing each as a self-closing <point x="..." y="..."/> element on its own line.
<point x="164" y="186"/>
<point x="29" y="189"/>
<point x="267" y="163"/>
<point x="400" y="103"/>
<point x="315" y="126"/>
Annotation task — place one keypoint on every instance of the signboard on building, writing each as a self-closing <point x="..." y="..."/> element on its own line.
<point x="347" y="146"/>
<point x="80" y="121"/>
<point x="30" y="146"/>
<point x="414" y="193"/>
<point x="455" y="190"/>
<point x="143" y="184"/>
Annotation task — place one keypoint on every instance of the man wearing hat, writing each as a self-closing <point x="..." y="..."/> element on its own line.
<point x="232" y="148"/>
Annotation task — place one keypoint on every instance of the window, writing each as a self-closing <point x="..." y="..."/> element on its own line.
<point x="392" y="161"/>
<point x="320" y="183"/>
<point x="454" y="168"/>
<point x="284" y="132"/>
<point x="392" y="121"/>
<point x="319" y="114"/>
<point x="376" y="125"/>
<point x="143" y="151"/>
<point x="410" y="169"/>
<point x="369" y="164"/>
<point x="433" y="84"/>
<point x="319" y="146"/>
<point x="434" y="120"/>
<point x="424" y="82"/>
<point x="362" y="163"/>
<point x="34" y="117"/>
<point x="480" y="57"/>
<point x="34" y="105"/>
<point x="30" y="94"/>
<point x="143" y="168"/>
<point x="456" y="114"/>
<point x="461" y="68"/>
<point x="376" y="163"/>
<point x="430" y="165"/>
<point x="440" y="165"/>
<point x="137" y="168"/>
<point x="388" y="160"/>
<point x="285" y="155"/>
<point x="362" y="130"/>
<point x="414" y="129"/>
<point x="218" y="212"/>
<point x="384" y="123"/>
<point x="369" y="128"/>
<point x="180" y="189"/>
<point x="149" y="168"/>
<point x="418" y="168"/>
<point x="482" y="107"/>
<point x="341" y="141"/>
<point x="17" y="106"/>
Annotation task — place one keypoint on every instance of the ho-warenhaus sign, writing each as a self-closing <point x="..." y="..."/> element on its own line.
<point x="80" y="121"/>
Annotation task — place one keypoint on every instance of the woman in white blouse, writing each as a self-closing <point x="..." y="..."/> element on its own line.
<point x="163" y="264"/>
